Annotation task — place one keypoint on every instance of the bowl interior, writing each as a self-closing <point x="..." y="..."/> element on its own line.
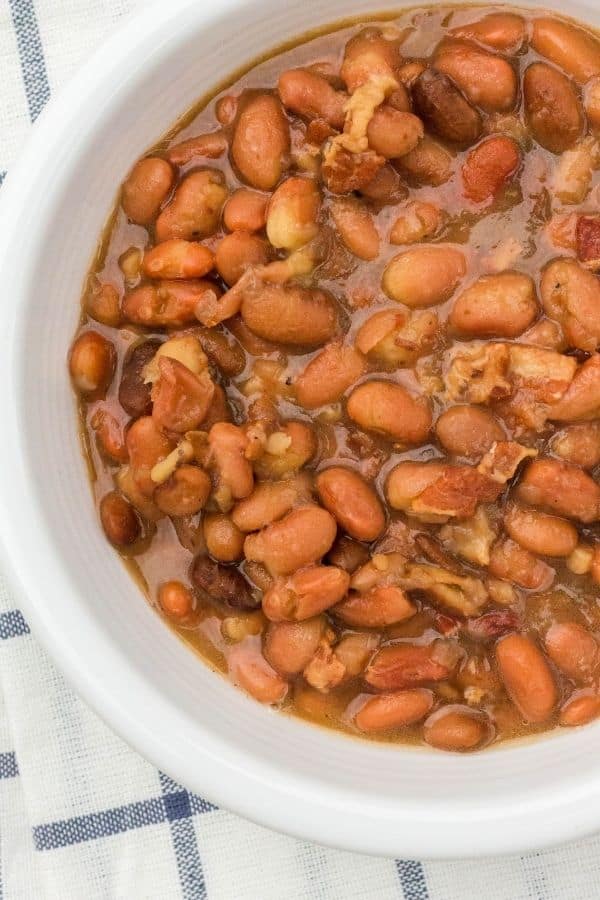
<point x="79" y="597"/>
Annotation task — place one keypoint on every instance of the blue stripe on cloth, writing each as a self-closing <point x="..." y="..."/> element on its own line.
<point x="412" y="879"/>
<point x="31" y="55"/>
<point x="8" y="765"/>
<point x="179" y="809"/>
<point x="12" y="624"/>
<point x="2" y="177"/>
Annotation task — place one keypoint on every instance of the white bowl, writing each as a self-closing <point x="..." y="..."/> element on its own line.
<point x="78" y="597"/>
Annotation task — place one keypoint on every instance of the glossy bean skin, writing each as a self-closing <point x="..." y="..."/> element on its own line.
<point x="582" y="398"/>
<point x="456" y="728"/>
<point x="487" y="80"/>
<point x="221" y="584"/>
<point x="391" y="410"/>
<point x="511" y="562"/>
<point x="504" y="32"/>
<point x="526" y="677"/>
<point x="110" y="436"/>
<point x="300" y="538"/>
<point x="489" y="167"/>
<point x="300" y="450"/>
<point x="269" y="501"/>
<point x="501" y="305"/>
<point x="552" y="106"/>
<point x="292" y="213"/>
<point x="204" y="146"/>
<point x="290" y="646"/>
<point x="356" y="228"/>
<point x="419" y="221"/>
<point x="571" y="295"/>
<point x="180" y="398"/>
<point x="195" y="208"/>
<point x="393" y="339"/>
<point x="311" y="96"/>
<point x="394" y="710"/>
<point x="176" y="600"/>
<point x="146" y="188"/>
<point x="178" y="259"/>
<point x="328" y="375"/>
<point x="444" y="109"/>
<point x="353" y="503"/>
<point x="580" y="709"/>
<point x="579" y="444"/>
<point x="92" y="363"/>
<point x="248" y="668"/>
<point x="573" y="650"/>
<point x="245" y="210"/>
<point x="169" y="303"/>
<point x="560" y="488"/>
<point x="306" y="593"/>
<point x="224" y="540"/>
<point x="429" y="163"/>
<point x="377" y="608"/>
<point x="119" y="520"/>
<point x="406" y="665"/>
<point x="146" y="445"/>
<point x="237" y="252"/>
<point x="539" y="532"/>
<point x="290" y="315"/>
<point x="468" y="431"/>
<point x="134" y="392"/>
<point x="424" y="276"/>
<point x="409" y="479"/>
<point x="261" y="141"/>
<point x="393" y="133"/>
<point x="102" y="304"/>
<point x="568" y="47"/>
<point x="228" y="445"/>
<point x="185" y="492"/>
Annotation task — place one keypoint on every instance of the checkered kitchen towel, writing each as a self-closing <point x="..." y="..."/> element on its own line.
<point x="81" y="815"/>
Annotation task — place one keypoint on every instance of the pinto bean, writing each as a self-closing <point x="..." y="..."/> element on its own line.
<point x="527" y="677"/>
<point x="394" y="710"/>
<point x="501" y="305"/>
<point x="222" y="350"/>
<point x="251" y="671"/>
<point x="300" y="538"/>
<point x="228" y="445"/>
<point x="489" y="166"/>
<point x="224" y="540"/>
<point x="368" y="55"/>
<point x="468" y="431"/>
<point x="146" y="188"/>
<point x="395" y="339"/>
<point x="513" y="563"/>
<point x="178" y="259"/>
<point x="167" y="304"/>
<point x="347" y="554"/>
<point x="567" y="46"/>
<point x="581" y="707"/>
<point x="424" y="276"/>
<point x="203" y="146"/>
<point x="381" y="606"/>
<point x="134" y="392"/>
<point x="245" y="210"/>
<point x="571" y="295"/>
<point x="429" y="163"/>
<point x="237" y="252"/>
<point x="328" y="375"/>
<point x="180" y="398"/>
<point x="261" y="141"/>
<point x="398" y="666"/>
<point x="409" y="479"/>
<point x="195" y="209"/>
<point x="391" y="410"/>
<point x="221" y="584"/>
<point x="270" y="501"/>
<point x="505" y="32"/>
<point x="119" y="520"/>
<point x="579" y="444"/>
<point x="573" y="650"/>
<point x="292" y="213"/>
<point x="290" y="646"/>
<point x="184" y="493"/>
<point x="290" y="314"/>
<point x="552" y="107"/>
<point x="539" y="532"/>
<point x="310" y="96"/>
<point x="356" y="227"/>
<point x="146" y="445"/>
<point x="560" y="488"/>
<point x="304" y="594"/>
<point x="109" y="435"/>
<point x="385" y="186"/>
<point x="487" y="80"/>
<point x="456" y="728"/>
<point x="176" y="600"/>
<point x="393" y="133"/>
<point x="353" y="503"/>
<point x="92" y="361"/>
<point x="418" y="221"/>
<point x="444" y="109"/>
<point x="295" y="446"/>
<point x="102" y="304"/>
<point x="591" y="101"/>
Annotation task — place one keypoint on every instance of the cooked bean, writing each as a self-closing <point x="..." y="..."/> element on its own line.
<point x="409" y="479"/>
<point x="248" y="668"/>
<point x="347" y="554"/>
<point x="539" y="532"/>
<point x="581" y="707"/>
<point x="178" y="259"/>
<point x="134" y="392"/>
<point x="353" y="503"/>
<point x="385" y="186"/>
<point x="488" y="168"/>
<point x="228" y="445"/>
<point x="381" y="606"/>
<point x="527" y="677"/>
<point x="486" y="80"/>
<point x="140" y="501"/>
<point x="269" y="501"/>
<point x="505" y="32"/>
<point x="393" y="338"/>
<point x="176" y="600"/>
<point x="226" y="109"/>
<point x="391" y="410"/>
<point x="368" y="55"/>
<point x="398" y="666"/>
<point x="92" y="361"/>
<point x="456" y="728"/>
<point x="572" y="178"/>
<point x="468" y="431"/>
<point x="424" y="276"/>
<point x="222" y="350"/>
<point x="290" y="315"/>
<point x="245" y="210"/>
<point x="146" y="445"/>
<point x="552" y="107"/>
<point x="195" y="209"/>
<point x="167" y="304"/>
<point x="119" y="521"/>
<point x="110" y="437"/>
<point x="560" y="488"/>
<point x="419" y="221"/>
<point x="394" y="710"/>
<point x="184" y="493"/>
<point x="203" y="146"/>
<point x="579" y="444"/>
<point x="444" y="109"/>
<point x="571" y="295"/>
<point x="222" y="584"/>
<point x="146" y="188"/>
<point x="292" y="213"/>
<point x="356" y="227"/>
<point x="287" y="451"/>
<point x="573" y="650"/>
<point x="237" y="251"/>
<point x="567" y="46"/>
<point x="180" y="398"/>
<point x="310" y="96"/>
<point x="501" y="305"/>
<point x="591" y="101"/>
<point x="290" y="646"/>
<point x="393" y="133"/>
<point x="300" y="538"/>
<point x="429" y="163"/>
<point x="261" y="141"/>
<point x="304" y="594"/>
<point x="512" y="562"/>
<point x="224" y="540"/>
<point x="102" y="304"/>
<point x="328" y="375"/>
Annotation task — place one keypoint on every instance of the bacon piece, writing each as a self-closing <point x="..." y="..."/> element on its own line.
<point x="587" y="236"/>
